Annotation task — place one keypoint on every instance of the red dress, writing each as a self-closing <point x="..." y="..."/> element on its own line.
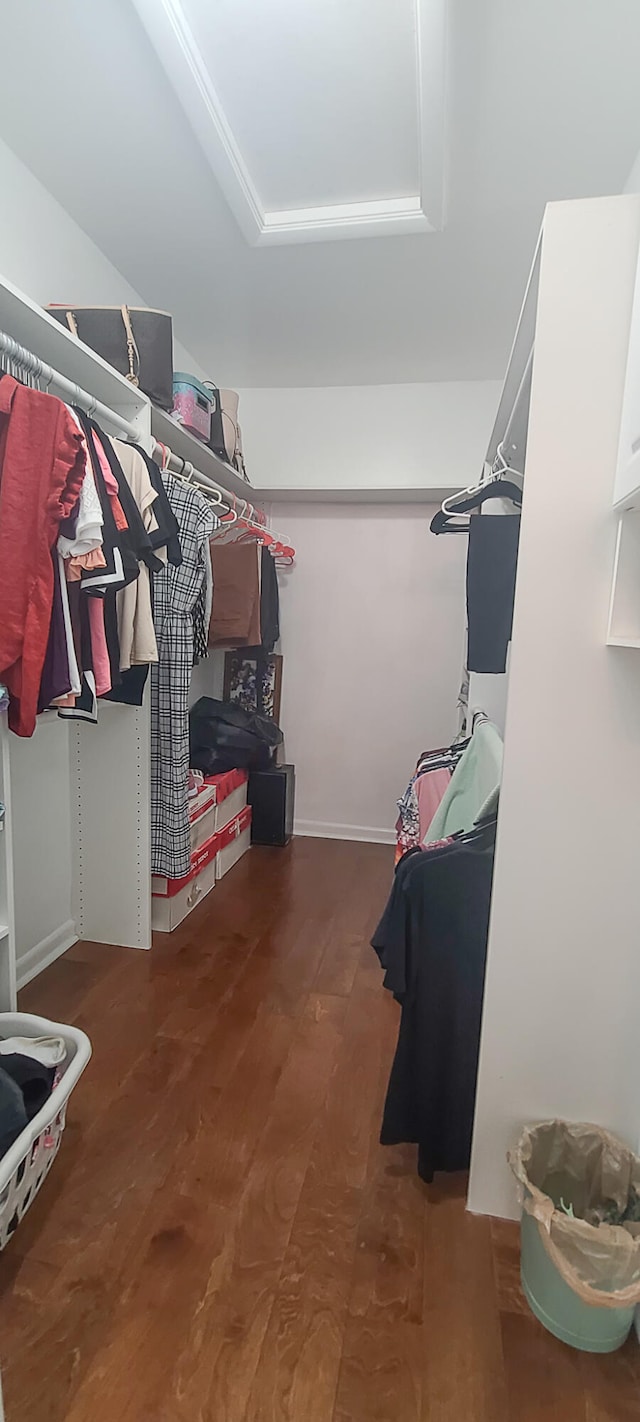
<point x="42" y="466"/>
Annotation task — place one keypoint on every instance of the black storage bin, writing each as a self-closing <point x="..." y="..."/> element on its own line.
<point x="272" y="797"/>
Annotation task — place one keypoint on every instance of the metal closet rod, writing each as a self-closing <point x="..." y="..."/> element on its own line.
<point x="22" y="359"/>
<point x="185" y="469"/>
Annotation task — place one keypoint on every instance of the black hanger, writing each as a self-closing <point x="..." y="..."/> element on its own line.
<point x="498" y="489"/>
<point x="440" y="524"/>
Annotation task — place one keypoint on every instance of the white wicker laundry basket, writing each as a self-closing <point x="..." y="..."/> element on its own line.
<point x="29" y="1159"/>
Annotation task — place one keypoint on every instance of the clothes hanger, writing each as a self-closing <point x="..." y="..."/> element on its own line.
<point x="231" y="515"/>
<point x="497" y="489"/>
<point x="503" y="483"/>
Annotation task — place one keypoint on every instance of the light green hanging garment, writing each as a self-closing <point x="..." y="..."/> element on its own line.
<point x="474" y="785"/>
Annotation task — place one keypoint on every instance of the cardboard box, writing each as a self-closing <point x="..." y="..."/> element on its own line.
<point x="219" y="800"/>
<point x="233" y="841"/>
<point x="168" y="910"/>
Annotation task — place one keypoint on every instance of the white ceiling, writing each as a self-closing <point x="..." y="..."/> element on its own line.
<point x="291" y="78"/>
<point x="321" y="100"/>
<point x="322" y="120"/>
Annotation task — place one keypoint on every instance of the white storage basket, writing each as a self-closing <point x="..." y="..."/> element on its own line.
<point x="29" y="1159"/>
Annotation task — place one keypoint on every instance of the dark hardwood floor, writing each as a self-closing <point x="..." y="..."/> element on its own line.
<point x="222" y="1239"/>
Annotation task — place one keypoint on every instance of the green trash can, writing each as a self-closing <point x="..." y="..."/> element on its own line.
<point x="580" y="1235"/>
<point x="582" y="1325"/>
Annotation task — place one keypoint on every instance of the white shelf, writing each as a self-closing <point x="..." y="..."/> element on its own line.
<point x="624" y="607"/>
<point x="4" y="931"/>
<point x="627" y="489"/>
<point x="186" y="446"/>
<point x="34" y="328"/>
<point x="626" y="493"/>
<point x="353" y="496"/>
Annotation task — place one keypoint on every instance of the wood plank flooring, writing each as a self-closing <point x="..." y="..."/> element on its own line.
<point x="222" y="1239"/>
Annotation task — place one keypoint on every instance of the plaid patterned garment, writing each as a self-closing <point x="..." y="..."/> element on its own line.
<point x="202" y="609"/>
<point x="176" y="593"/>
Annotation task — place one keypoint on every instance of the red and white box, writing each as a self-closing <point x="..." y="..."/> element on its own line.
<point x="173" y="899"/>
<point x="218" y="801"/>
<point x="233" y="841"/>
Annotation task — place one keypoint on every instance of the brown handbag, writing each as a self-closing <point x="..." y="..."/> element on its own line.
<point x="229" y="401"/>
<point x="135" y="340"/>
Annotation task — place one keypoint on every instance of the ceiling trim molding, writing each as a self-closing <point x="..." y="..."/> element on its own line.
<point x="173" y="40"/>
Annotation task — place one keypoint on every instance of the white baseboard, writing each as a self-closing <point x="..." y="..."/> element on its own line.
<point x="30" y="964"/>
<point x="317" y="829"/>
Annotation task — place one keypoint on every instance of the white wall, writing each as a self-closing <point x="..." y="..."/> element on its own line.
<point x="369" y="436"/>
<point x="560" y="1030"/>
<point x="372" y="624"/>
<point x="45" y="253"/>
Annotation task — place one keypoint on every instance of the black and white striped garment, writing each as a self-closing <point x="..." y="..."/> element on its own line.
<point x="176" y="592"/>
<point x="202" y="609"/>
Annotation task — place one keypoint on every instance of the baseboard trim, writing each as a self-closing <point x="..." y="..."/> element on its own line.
<point x="45" y="952"/>
<point x="317" y="829"/>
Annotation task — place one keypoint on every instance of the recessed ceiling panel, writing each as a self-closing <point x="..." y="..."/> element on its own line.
<point x="320" y="95"/>
<point x="320" y="118"/>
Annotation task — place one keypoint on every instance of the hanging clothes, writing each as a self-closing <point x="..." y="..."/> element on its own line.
<point x="423" y="795"/>
<point x="269" y="602"/>
<point x="167" y="533"/>
<point x="269" y="626"/>
<point x="136" y="632"/>
<point x="55" y="681"/>
<point x="235" y="616"/>
<point x="85" y="706"/>
<point x="492" y="561"/>
<point x="473" y="789"/>
<point x="432" y="943"/>
<point x="176" y="591"/>
<point x="200" y="644"/>
<point x="42" y="467"/>
<point x="162" y="529"/>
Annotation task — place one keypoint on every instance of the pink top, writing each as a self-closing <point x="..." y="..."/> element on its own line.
<point x="430" y="789"/>
<point x="99" y="650"/>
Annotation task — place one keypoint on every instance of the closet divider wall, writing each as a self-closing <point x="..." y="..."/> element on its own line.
<point x="560" y="1020"/>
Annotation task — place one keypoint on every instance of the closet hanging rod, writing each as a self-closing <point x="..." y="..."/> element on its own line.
<point x="177" y="465"/>
<point x="23" y="360"/>
<point x="520" y="396"/>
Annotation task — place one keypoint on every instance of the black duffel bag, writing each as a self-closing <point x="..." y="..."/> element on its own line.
<point x="223" y="736"/>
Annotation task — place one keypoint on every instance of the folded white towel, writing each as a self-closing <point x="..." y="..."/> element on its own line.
<point x="49" y="1051"/>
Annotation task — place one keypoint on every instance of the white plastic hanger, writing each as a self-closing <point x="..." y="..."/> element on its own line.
<point x="500" y="472"/>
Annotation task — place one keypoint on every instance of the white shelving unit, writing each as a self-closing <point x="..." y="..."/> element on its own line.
<point x="559" y="1023"/>
<point x="34" y="328"/>
<point x="624" y="608"/>
<point x="623" y="628"/>
<point x="75" y="849"/>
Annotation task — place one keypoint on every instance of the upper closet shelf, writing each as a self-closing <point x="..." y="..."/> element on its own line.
<point x="34" y="328"/>
<point x="512" y="419"/>
<point x="187" y="447"/>
<point x="353" y="496"/>
<point x="626" y="492"/>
